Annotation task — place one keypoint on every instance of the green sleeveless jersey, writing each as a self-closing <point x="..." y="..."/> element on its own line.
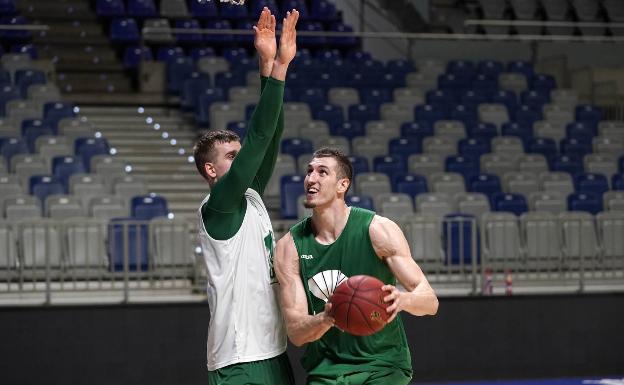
<point x="351" y="254"/>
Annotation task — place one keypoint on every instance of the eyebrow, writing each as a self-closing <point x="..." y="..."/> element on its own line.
<point x="233" y="152"/>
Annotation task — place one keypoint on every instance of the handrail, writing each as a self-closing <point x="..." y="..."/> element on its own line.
<point x="533" y="23"/>
<point x="26" y="27"/>
<point x="401" y="35"/>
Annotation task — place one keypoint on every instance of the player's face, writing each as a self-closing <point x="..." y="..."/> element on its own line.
<point x="224" y="156"/>
<point x="322" y="184"/>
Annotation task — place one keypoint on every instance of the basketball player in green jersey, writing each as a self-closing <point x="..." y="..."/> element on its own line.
<point x="246" y="336"/>
<point x="340" y="240"/>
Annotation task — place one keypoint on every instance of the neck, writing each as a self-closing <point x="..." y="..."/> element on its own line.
<point x="329" y="221"/>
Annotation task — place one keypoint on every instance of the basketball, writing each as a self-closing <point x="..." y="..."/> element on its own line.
<point x="358" y="306"/>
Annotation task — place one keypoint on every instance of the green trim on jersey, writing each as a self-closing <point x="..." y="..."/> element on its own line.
<point x="274" y="371"/>
<point x="337" y="353"/>
<point x="224" y="212"/>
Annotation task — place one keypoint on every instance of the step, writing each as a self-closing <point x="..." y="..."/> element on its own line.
<point x="129" y="110"/>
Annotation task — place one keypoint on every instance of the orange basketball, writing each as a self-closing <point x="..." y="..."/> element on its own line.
<point x="358" y="306"/>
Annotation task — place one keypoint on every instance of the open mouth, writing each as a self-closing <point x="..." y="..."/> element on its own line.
<point x="311" y="192"/>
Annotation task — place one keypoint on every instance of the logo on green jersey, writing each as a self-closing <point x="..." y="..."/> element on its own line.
<point x="269" y="241"/>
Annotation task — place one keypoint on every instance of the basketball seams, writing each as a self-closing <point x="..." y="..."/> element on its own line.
<point x="371" y="330"/>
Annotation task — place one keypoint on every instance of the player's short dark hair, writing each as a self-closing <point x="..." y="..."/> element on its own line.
<point x="345" y="168"/>
<point x="203" y="151"/>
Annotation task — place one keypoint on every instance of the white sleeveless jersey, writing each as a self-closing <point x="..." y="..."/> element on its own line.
<point x="246" y="323"/>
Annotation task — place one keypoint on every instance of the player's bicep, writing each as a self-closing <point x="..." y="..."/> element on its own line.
<point x="292" y="292"/>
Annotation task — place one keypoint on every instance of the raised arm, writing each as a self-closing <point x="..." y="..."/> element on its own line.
<point x="390" y="244"/>
<point x="300" y="326"/>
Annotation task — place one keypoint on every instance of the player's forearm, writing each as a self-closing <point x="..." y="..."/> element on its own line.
<point x="308" y="328"/>
<point x="279" y="70"/>
<point x="420" y="301"/>
<point x="266" y="67"/>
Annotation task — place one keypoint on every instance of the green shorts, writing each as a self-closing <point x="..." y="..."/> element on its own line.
<point x="273" y="371"/>
<point x="381" y="377"/>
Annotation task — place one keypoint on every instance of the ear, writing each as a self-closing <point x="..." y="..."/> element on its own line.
<point x="343" y="185"/>
<point x="210" y="170"/>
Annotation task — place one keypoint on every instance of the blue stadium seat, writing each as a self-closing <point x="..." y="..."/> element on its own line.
<point x="534" y="98"/>
<point x="124" y="31"/>
<point x="491" y="68"/>
<point x="543" y="83"/>
<point x="148" y="207"/>
<point x="565" y="163"/>
<point x="240" y="128"/>
<point x="178" y="71"/>
<point x="405" y="146"/>
<point x="43" y="186"/>
<point x="33" y="129"/>
<point x="12" y="146"/>
<point x="544" y="146"/>
<point x="409" y="184"/>
<point x="128" y="244"/>
<point x="299" y="5"/>
<point x="465" y="113"/>
<point x="621" y="164"/>
<point x="400" y="66"/>
<point x="167" y="54"/>
<point x="331" y="114"/>
<point x="63" y="167"/>
<point x="485" y="183"/>
<point x="134" y="55"/>
<point x="314" y="97"/>
<point x="324" y="10"/>
<point x="110" y="8"/>
<point x="474" y="97"/>
<point x="218" y="39"/>
<point x="473" y="147"/>
<point x="204" y="100"/>
<point x="8" y="93"/>
<point x="506" y="97"/>
<point x="28" y="49"/>
<point x="521" y="66"/>
<point x="485" y="83"/>
<point x="588" y="114"/>
<point x="581" y="131"/>
<point x="227" y="80"/>
<point x="441" y="99"/>
<point x="342" y="41"/>
<point x="363" y="113"/>
<point x="513" y="203"/>
<point x="193" y="86"/>
<point x="591" y="183"/>
<point x="349" y="130"/>
<point x="203" y="9"/>
<point x="461" y="68"/>
<point x="189" y="38"/>
<point x="419" y="130"/>
<point x="5" y="77"/>
<point x="428" y="113"/>
<point x="258" y="5"/>
<point x="375" y="95"/>
<point x="468" y="167"/>
<point x="27" y="78"/>
<point x="7" y="7"/>
<point x="358" y="56"/>
<point x="362" y="201"/>
<point x="311" y="26"/>
<point x="527" y="115"/>
<point x="453" y="83"/>
<point x="458" y="237"/>
<point x="16" y="35"/>
<point x="585" y="202"/>
<point x="142" y="9"/>
<point x="359" y="163"/>
<point x="89" y="147"/>
<point x="390" y="165"/>
<point x="200" y="52"/>
<point x="523" y="132"/>
<point x="233" y="11"/>
<point x="55" y="111"/>
<point x="483" y="130"/>
<point x="617" y="181"/>
<point x="291" y="187"/>
<point x="575" y="147"/>
<point x="296" y="147"/>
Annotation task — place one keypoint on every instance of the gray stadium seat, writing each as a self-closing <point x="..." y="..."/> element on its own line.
<point x="107" y="208"/>
<point x="63" y="207"/>
<point x="564" y="97"/>
<point x="22" y="109"/>
<point x="52" y="146"/>
<point x="343" y="97"/>
<point x="16" y="61"/>
<point x="109" y="166"/>
<point x="285" y="165"/>
<point x="212" y="65"/>
<point x="162" y="36"/>
<point x="3" y="167"/>
<point x="302" y="163"/>
<point x="552" y="130"/>
<point x="422" y="80"/>
<point x="541" y="233"/>
<point x="610" y="229"/>
<point x="382" y="129"/>
<point x="22" y="207"/>
<point x="372" y="184"/>
<point x="26" y="165"/>
<point x="369" y="147"/>
<point x="394" y="205"/>
<point x="497" y="164"/>
<point x="558" y="182"/>
<point x="613" y="200"/>
<point x="40" y="244"/>
<point x="409" y="96"/>
<point x="523" y="183"/>
<point x="446" y="182"/>
<point x="44" y="93"/>
<point x="223" y="113"/>
<point x="475" y="204"/>
<point x="425" y="164"/>
<point x="493" y="113"/>
<point x="450" y="128"/>
<point x="86" y="187"/>
<point x="170" y="242"/>
<point x="396" y="112"/>
<point x="9" y="187"/>
<point x="441" y="145"/>
<point x="500" y="241"/>
<point x="174" y="9"/>
<point x="435" y="204"/>
<point x="423" y="233"/>
<point x="8" y="127"/>
<point x="513" y="82"/>
<point x="611" y="128"/>
<point x="556" y="113"/>
<point x="253" y="79"/>
<point x="580" y="244"/>
<point x="551" y="202"/>
<point x="315" y="130"/>
<point x="508" y="145"/>
<point x="430" y="67"/>
<point x="600" y="164"/>
<point x="8" y="255"/>
<point x="339" y="142"/>
<point x="244" y="95"/>
<point x="86" y="245"/>
<point x="534" y="163"/>
<point x="72" y="128"/>
<point x="605" y="145"/>
<point x="129" y="186"/>
<point x="297" y="113"/>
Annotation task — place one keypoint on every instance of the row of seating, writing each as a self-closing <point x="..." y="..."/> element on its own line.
<point x="554" y="10"/>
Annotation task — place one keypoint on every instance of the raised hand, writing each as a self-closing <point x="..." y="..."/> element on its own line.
<point x="288" y="40"/>
<point x="264" y="40"/>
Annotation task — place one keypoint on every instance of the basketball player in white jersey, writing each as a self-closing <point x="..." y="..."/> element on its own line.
<point x="246" y="336"/>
